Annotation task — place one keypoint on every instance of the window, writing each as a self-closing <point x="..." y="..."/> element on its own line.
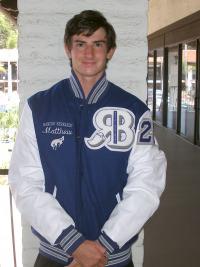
<point x="176" y="79"/>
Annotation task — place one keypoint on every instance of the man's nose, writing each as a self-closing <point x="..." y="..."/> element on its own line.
<point x="89" y="51"/>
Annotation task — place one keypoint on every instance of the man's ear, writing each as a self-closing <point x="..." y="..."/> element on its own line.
<point x="68" y="52"/>
<point x="110" y="53"/>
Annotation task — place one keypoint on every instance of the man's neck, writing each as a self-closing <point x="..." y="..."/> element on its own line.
<point x="87" y="85"/>
<point x="87" y="82"/>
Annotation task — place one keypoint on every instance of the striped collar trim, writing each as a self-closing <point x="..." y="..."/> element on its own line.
<point x="94" y="95"/>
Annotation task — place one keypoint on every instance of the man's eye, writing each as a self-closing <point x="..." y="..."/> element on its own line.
<point x="80" y="45"/>
<point x="98" y="45"/>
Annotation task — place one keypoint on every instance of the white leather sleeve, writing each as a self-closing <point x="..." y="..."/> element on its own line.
<point x="26" y="179"/>
<point x="146" y="182"/>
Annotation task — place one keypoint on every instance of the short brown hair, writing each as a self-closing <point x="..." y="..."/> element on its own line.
<point x="89" y="21"/>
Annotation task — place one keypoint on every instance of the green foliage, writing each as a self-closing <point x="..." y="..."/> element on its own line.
<point x="9" y="119"/>
<point x="3" y="178"/>
<point x="8" y="33"/>
<point x="188" y="67"/>
<point x="2" y="69"/>
<point x="12" y="40"/>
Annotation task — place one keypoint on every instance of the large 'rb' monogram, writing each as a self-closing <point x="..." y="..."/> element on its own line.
<point x="114" y="129"/>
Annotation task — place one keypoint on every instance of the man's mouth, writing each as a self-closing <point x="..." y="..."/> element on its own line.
<point x="88" y="63"/>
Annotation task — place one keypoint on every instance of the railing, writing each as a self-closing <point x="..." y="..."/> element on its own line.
<point x="5" y="172"/>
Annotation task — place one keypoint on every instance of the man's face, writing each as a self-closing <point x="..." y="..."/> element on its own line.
<point x="89" y="54"/>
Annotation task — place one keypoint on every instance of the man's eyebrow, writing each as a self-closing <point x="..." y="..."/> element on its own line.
<point x="98" y="41"/>
<point x="79" y="41"/>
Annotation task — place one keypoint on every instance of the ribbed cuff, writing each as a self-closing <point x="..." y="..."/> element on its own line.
<point x="107" y="243"/>
<point x="70" y="240"/>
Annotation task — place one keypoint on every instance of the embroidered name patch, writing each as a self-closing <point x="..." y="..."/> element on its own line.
<point x="53" y="127"/>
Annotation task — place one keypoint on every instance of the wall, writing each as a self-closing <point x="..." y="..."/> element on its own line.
<point x="42" y="60"/>
<point x="165" y="12"/>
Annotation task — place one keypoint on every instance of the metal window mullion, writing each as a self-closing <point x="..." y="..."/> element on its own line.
<point x="165" y="88"/>
<point x="179" y="89"/>
<point x="197" y="102"/>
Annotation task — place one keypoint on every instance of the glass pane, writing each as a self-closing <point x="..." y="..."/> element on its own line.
<point x="188" y="90"/>
<point x="150" y="81"/>
<point x="172" y="88"/>
<point x="159" y="85"/>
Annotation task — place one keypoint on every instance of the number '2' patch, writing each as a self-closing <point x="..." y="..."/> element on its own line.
<point x="145" y="135"/>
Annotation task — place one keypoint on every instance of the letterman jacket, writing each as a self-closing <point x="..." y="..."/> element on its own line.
<point x="86" y="169"/>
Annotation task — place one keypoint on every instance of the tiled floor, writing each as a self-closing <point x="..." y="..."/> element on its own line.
<point x="172" y="235"/>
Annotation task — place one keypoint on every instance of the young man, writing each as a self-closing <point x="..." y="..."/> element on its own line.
<point x="86" y="171"/>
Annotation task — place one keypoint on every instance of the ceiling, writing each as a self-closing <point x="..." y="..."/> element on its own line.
<point x="10" y="6"/>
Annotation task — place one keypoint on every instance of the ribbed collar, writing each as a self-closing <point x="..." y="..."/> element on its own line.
<point x="94" y="95"/>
